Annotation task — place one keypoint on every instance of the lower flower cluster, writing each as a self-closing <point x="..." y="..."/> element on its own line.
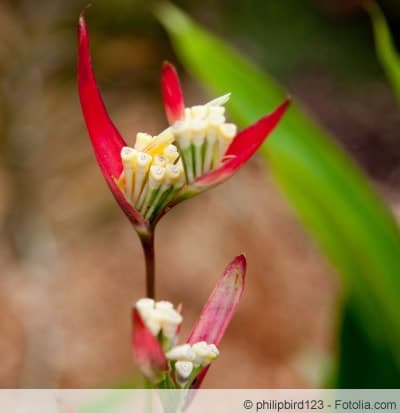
<point x="183" y="362"/>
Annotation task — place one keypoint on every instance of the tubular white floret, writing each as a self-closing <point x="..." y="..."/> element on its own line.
<point x="159" y="317"/>
<point x="164" y="305"/>
<point x="169" y="320"/>
<point x="183" y="371"/>
<point x="189" y="359"/>
<point x="171" y="153"/>
<point x="160" y="160"/>
<point x="201" y="353"/>
<point x="183" y="352"/>
<point x="199" y="112"/>
<point x="205" y="353"/>
<point x="226" y="132"/>
<point x="203" y="137"/>
<point x="142" y="140"/>
<point x="128" y="156"/>
<point x="142" y="168"/>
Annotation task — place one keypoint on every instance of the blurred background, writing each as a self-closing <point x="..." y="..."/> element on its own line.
<point x="71" y="265"/>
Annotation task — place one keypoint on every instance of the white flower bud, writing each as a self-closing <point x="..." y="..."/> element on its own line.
<point x="164" y="305"/>
<point x="184" y="352"/>
<point x="205" y="353"/>
<point x="170" y="320"/>
<point x="145" y="304"/>
<point x="181" y="129"/>
<point x="183" y="370"/>
<point x="160" y="316"/>
<point x="153" y="325"/>
<point x="213" y="349"/>
<point x="216" y="113"/>
<point x="199" y="112"/>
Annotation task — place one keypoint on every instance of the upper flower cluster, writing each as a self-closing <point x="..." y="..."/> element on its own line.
<point x="158" y="167"/>
<point x="197" y="151"/>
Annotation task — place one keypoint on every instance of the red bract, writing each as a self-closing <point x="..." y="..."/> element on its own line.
<point x="106" y="140"/>
<point x="219" y="308"/>
<point x="243" y="147"/>
<point x="172" y="93"/>
<point x="147" y="351"/>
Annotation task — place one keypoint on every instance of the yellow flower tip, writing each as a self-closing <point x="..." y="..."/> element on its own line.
<point x="158" y="144"/>
<point x="171" y="153"/>
<point x="142" y="140"/>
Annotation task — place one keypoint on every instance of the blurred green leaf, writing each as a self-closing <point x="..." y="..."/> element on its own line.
<point x="362" y="362"/>
<point x="329" y="193"/>
<point x="385" y="47"/>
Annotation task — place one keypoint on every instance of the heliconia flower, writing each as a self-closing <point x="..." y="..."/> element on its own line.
<point x="156" y="327"/>
<point x="197" y="151"/>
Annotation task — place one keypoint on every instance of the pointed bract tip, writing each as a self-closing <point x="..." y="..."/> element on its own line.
<point x="168" y="65"/>
<point x="241" y="261"/>
<point x="236" y="269"/>
<point x="82" y="14"/>
<point x="286" y="103"/>
<point x="172" y="93"/>
<point x="82" y="24"/>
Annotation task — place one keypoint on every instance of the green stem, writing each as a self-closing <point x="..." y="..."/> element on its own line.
<point x="148" y="249"/>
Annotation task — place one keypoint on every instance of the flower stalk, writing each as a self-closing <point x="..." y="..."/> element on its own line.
<point x="147" y="241"/>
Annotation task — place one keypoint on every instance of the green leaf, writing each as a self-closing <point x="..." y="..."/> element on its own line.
<point x="332" y="197"/>
<point x="385" y="47"/>
<point x="362" y="362"/>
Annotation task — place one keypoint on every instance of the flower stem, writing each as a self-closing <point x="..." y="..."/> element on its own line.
<point x="148" y="249"/>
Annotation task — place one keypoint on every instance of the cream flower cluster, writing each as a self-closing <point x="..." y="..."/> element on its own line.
<point x="152" y="173"/>
<point x="190" y="358"/>
<point x="159" y="317"/>
<point x="186" y="359"/>
<point x="203" y="137"/>
<point x="154" y="170"/>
